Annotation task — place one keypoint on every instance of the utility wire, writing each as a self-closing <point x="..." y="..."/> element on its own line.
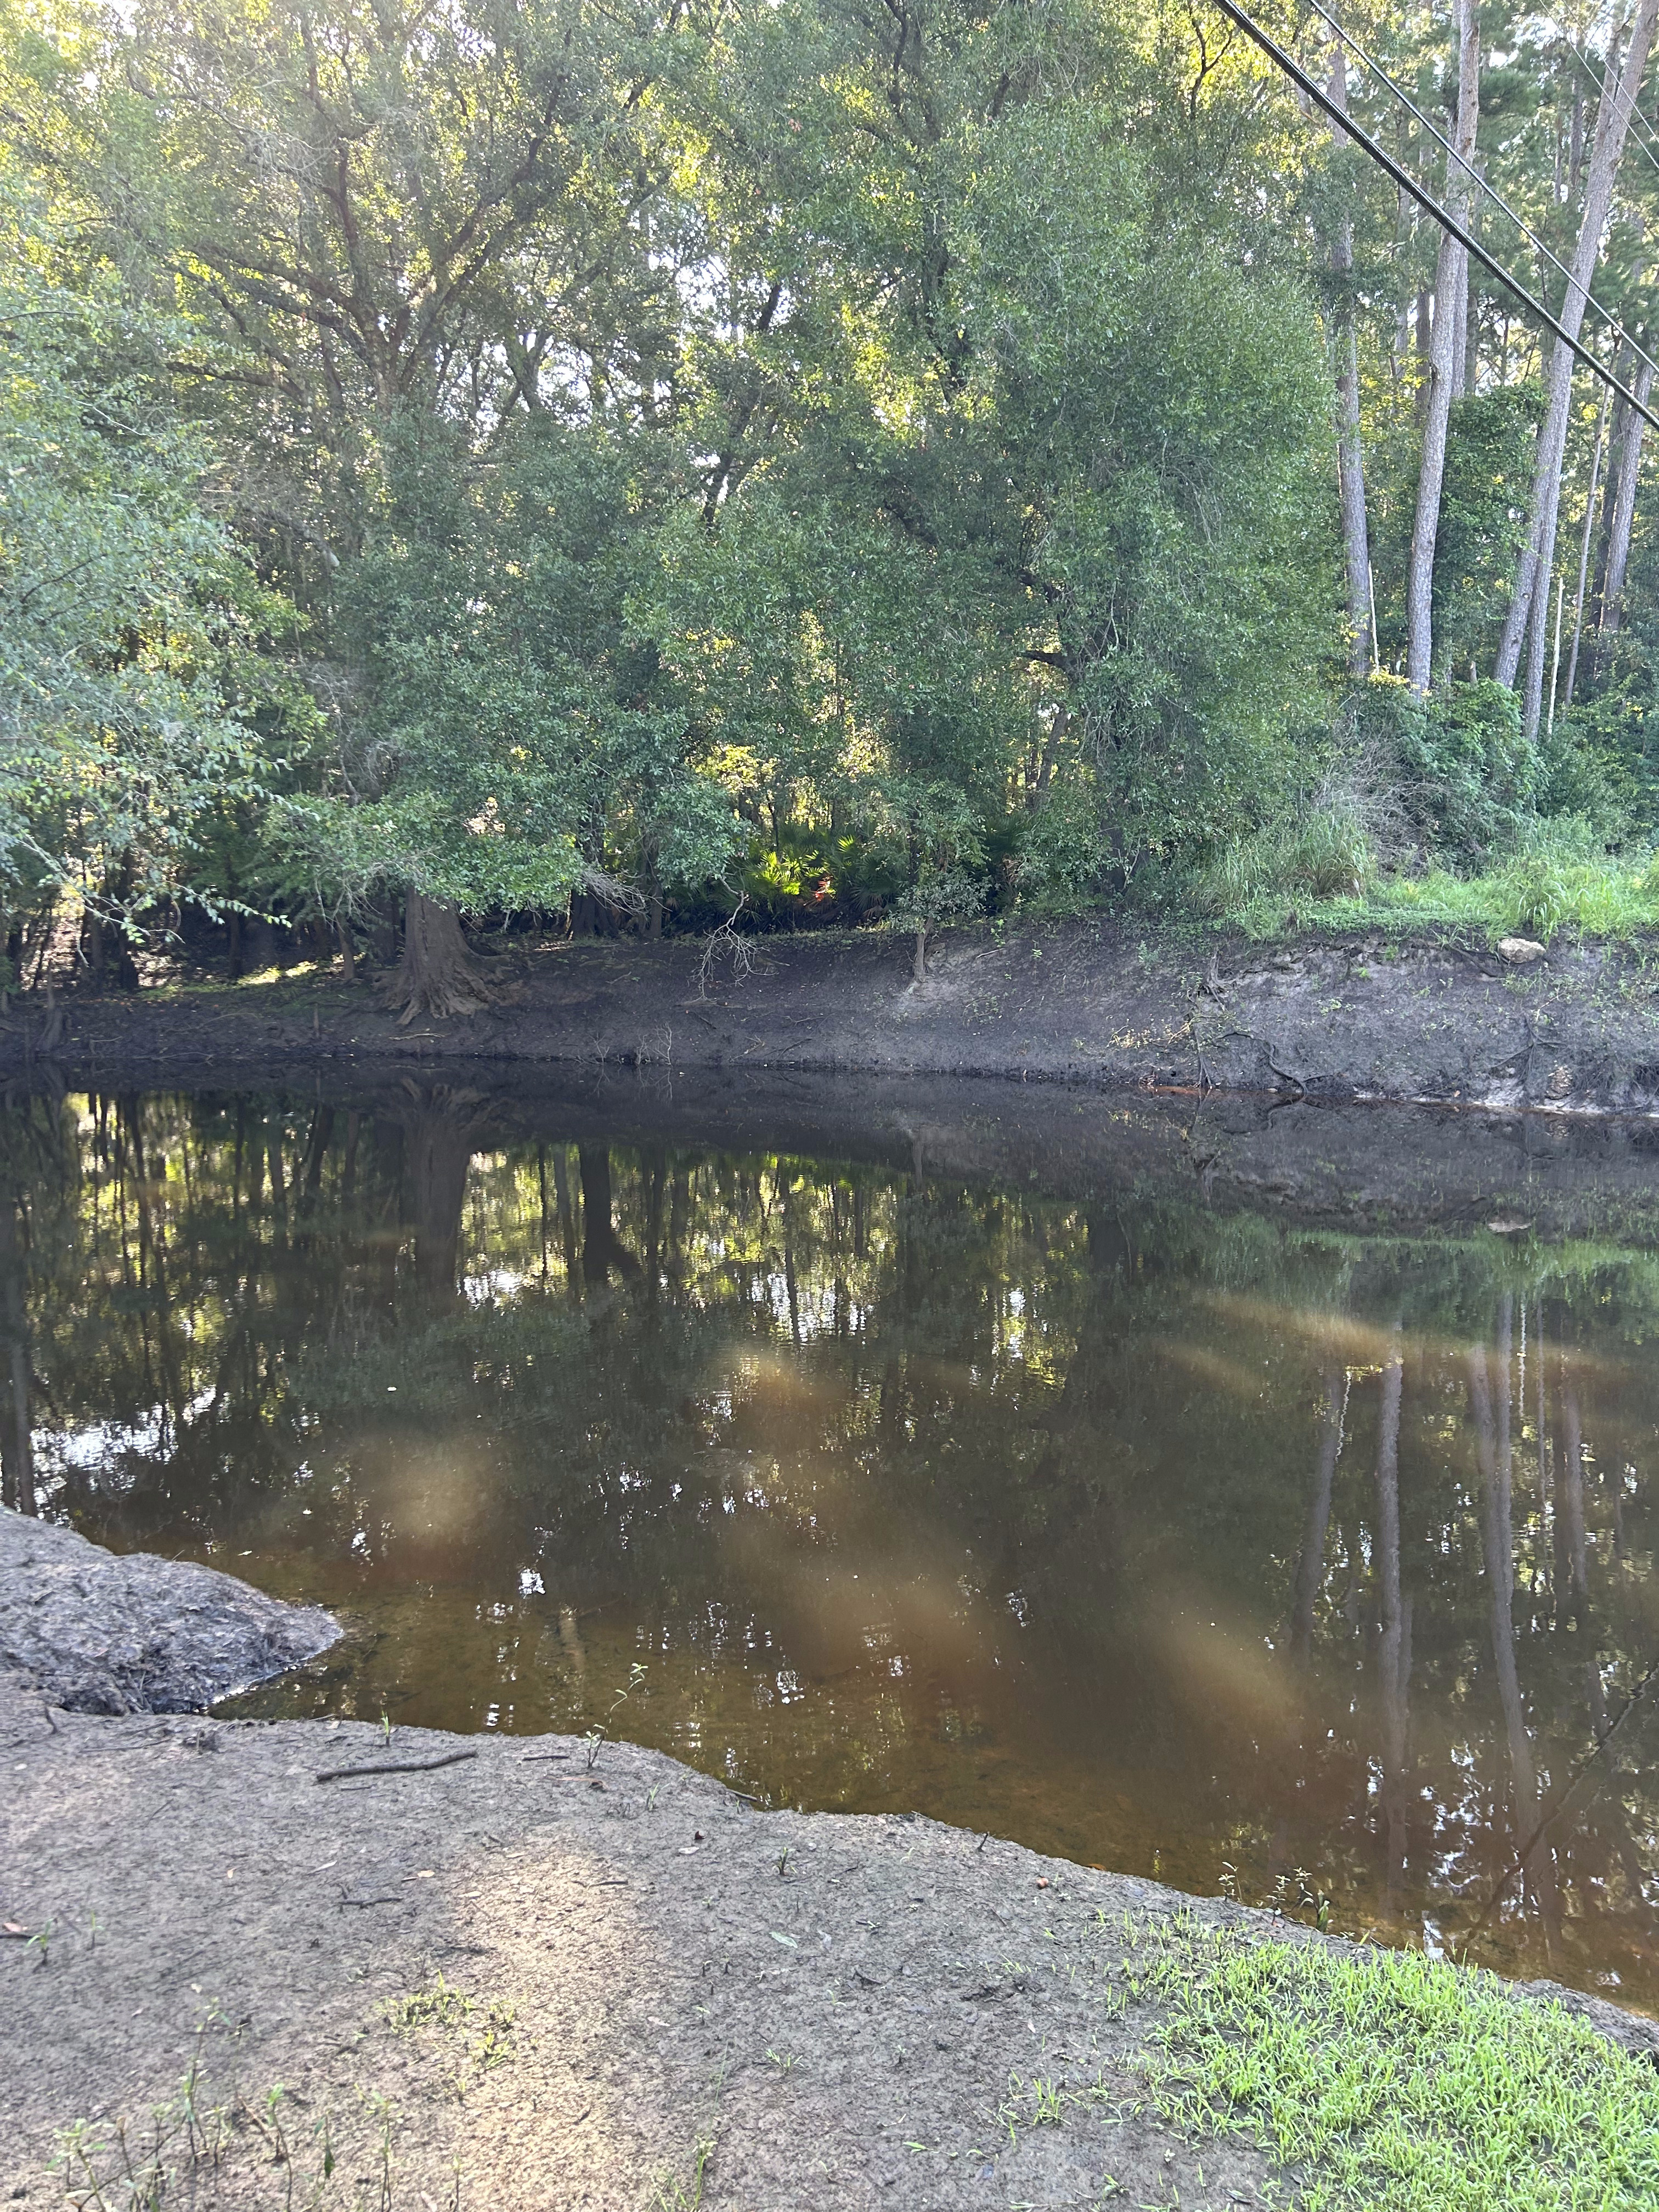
<point x="1469" y="170"/>
<point x="1426" y="201"/>
<point x="1644" y="136"/>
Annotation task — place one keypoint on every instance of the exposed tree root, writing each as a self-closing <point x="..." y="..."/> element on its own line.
<point x="435" y="975"/>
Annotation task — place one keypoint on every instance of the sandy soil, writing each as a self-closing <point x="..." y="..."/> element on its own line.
<point x="509" y="1983"/>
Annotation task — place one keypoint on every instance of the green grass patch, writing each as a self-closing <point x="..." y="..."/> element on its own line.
<point x="1387" y="2082"/>
<point x="1319" y="872"/>
<point x="1533" y="897"/>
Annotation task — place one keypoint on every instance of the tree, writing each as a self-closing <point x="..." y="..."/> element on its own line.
<point x="129" y="678"/>
<point x="1529" y="608"/>
<point x="505" y="749"/>
<point x="1350" y="440"/>
<point x="1445" y="357"/>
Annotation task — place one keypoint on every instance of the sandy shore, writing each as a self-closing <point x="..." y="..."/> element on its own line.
<point x="510" y="1981"/>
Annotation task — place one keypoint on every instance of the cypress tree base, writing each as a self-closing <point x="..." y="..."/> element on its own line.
<point x="435" y="976"/>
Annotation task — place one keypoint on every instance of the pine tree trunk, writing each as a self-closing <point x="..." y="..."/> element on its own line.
<point x="1529" y="603"/>
<point x="1584" y="548"/>
<point x="1609" y="495"/>
<point x="1350" y="451"/>
<point x="435" y="976"/>
<point x="1445" y="362"/>
<point x="1624" y="515"/>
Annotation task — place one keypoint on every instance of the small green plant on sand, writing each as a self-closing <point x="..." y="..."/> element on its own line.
<point x="678" y="2194"/>
<point x="1388" y="2083"/>
<point x="442" y="2005"/>
<point x="600" y="1729"/>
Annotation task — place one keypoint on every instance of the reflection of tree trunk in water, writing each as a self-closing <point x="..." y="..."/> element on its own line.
<point x="656" y="1179"/>
<point x="1572" y="1503"/>
<point x="541" y="1193"/>
<point x="1393" y="1662"/>
<point x="790" y="1288"/>
<point x="1089" y="1392"/>
<point x="1544" y="1515"/>
<point x="152" y="1265"/>
<point x="322" y="1129"/>
<point x="1311" y="1567"/>
<point x="278" y="1192"/>
<point x="602" y="1248"/>
<point x="1492" y="1442"/>
<point x="567" y="1226"/>
<point x="679" y="1220"/>
<point x="17" y="1444"/>
<point x="437" y="1153"/>
<point x="892" y="1402"/>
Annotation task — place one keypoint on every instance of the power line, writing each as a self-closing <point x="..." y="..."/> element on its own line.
<point x="1426" y="200"/>
<point x="1489" y="190"/>
<point x="1644" y="136"/>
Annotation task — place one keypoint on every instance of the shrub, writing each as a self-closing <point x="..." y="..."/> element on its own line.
<point x="1467" y="778"/>
<point x="1324" y="853"/>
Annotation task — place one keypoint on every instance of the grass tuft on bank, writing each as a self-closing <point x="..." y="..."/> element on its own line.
<point x="1322" y="872"/>
<point x="1387" y="2082"/>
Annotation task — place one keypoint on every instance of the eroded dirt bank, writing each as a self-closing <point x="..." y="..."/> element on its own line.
<point x="509" y="1981"/>
<point x="1082" y="1002"/>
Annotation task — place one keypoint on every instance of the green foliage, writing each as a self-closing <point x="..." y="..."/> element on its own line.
<point x="1389" y="2083"/>
<point x="507" y="748"/>
<point x="1465" y="774"/>
<point x="1488" y="468"/>
<point x="1322" y="852"/>
<point x="130" y="676"/>
<point x="732" y="455"/>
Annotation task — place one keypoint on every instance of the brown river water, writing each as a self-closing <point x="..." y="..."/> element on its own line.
<point x="1313" y="1567"/>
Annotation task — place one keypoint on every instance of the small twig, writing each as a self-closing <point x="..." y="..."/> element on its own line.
<point x="397" y="1766"/>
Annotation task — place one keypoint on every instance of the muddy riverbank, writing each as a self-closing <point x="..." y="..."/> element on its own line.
<point x="1577" y="1031"/>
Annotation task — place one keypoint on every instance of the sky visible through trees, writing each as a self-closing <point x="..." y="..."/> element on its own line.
<point x="612" y="466"/>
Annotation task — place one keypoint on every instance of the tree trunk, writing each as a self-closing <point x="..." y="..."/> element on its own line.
<point x="1584" y="548"/>
<point x="348" y="952"/>
<point x="919" y="956"/>
<point x="1445" y="364"/>
<point x="1350" y="450"/>
<point x="1624" y="515"/>
<point x="1529" y="605"/>
<point x="435" y="975"/>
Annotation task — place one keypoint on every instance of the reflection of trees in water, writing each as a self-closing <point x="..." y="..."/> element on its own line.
<point x="1113" y="1449"/>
